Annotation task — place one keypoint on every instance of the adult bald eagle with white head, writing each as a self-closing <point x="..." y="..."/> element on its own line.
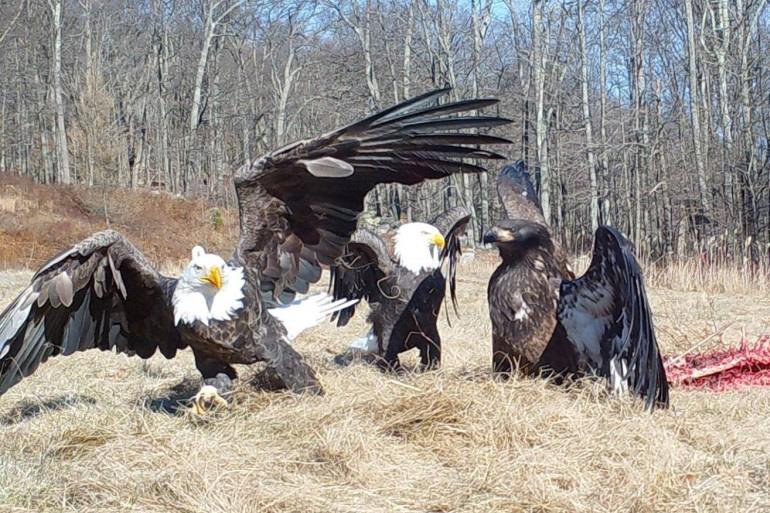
<point x="298" y="206"/>
<point x="545" y="319"/>
<point x="404" y="291"/>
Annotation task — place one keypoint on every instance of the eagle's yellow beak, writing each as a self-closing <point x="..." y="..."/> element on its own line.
<point x="438" y="240"/>
<point x="214" y="278"/>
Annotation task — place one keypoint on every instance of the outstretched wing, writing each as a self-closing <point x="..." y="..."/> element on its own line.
<point x="517" y="194"/>
<point x="606" y="317"/>
<point x="452" y="224"/>
<point x="300" y="204"/>
<point x="359" y="272"/>
<point x="100" y="293"/>
<point x="519" y="200"/>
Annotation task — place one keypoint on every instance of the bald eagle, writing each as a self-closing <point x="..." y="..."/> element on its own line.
<point x="298" y="207"/>
<point x="405" y="292"/>
<point x="543" y="319"/>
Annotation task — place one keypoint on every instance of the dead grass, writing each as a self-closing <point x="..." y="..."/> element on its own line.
<point x="39" y="220"/>
<point x="98" y="432"/>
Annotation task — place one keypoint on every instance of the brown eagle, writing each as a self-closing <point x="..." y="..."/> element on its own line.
<point x="543" y="319"/>
<point x="404" y="291"/>
<point x="298" y="207"/>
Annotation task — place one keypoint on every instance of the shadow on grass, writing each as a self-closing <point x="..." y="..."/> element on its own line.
<point x="174" y="400"/>
<point x="177" y="399"/>
<point x="30" y="408"/>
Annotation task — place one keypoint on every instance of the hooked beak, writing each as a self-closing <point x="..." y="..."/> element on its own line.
<point x="214" y="278"/>
<point x="438" y="240"/>
<point x="498" y="235"/>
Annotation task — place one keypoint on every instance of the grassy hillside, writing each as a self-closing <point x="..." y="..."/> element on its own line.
<point x="40" y="220"/>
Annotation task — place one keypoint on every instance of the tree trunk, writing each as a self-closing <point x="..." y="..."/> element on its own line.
<point x="640" y="117"/>
<point x="481" y="15"/>
<point x="594" y="209"/>
<point x="695" y="110"/>
<point x="722" y="33"/>
<point x="538" y="62"/>
<point x="62" y="153"/>
<point x="606" y="188"/>
<point x="408" y="193"/>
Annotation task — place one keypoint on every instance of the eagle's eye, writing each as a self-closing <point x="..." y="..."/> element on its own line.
<point x="197" y="268"/>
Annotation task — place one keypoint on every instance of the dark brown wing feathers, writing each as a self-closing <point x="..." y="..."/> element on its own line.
<point x="612" y="294"/>
<point x="519" y="201"/>
<point x="359" y="272"/>
<point x="517" y="193"/>
<point x="452" y="224"/>
<point x="408" y="143"/>
<point x="101" y="293"/>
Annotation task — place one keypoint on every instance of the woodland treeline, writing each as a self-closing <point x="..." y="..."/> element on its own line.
<point x="651" y="115"/>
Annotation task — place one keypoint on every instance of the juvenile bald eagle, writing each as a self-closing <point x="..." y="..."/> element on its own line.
<point x="298" y="207"/>
<point x="404" y="292"/>
<point x="545" y="319"/>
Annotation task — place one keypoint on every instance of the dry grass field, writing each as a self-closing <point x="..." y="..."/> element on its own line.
<point x="98" y="432"/>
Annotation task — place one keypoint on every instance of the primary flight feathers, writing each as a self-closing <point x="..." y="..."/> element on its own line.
<point x="408" y="143"/>
<point x="298" y="207"/>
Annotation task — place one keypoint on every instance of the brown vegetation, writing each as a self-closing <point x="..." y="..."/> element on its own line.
<point x="102" y="432"/>
<point x="38" y="221"/>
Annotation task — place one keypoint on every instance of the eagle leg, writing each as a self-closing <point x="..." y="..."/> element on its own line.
<point x="430" y="351"/>
<point x="390" y="363"/>
<point x="274" y="349"/>
<point x="217" y="381"/>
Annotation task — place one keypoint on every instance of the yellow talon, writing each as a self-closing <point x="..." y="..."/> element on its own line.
<point x="208" y="398"/>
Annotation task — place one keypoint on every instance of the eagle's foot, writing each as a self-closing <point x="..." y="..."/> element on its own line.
<point x="208" y="398"/>
<point x="210" y="395"/>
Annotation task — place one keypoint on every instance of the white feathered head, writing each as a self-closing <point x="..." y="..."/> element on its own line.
<point x="418" y="246"/>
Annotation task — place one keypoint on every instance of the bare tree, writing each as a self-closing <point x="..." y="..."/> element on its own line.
<point x="695" y="108"/>
<point x="538" y="61"/>
<point x="62" y="153"/>
<point x="651" y="115"/>
<point x="587" y="117"/>
<point x="214" y="14"/>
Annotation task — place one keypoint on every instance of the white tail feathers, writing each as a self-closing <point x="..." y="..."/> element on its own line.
<point x="305" y="313"/>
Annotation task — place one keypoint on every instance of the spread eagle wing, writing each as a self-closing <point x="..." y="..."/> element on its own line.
<point x="452" y="224"/>
<point x="299" y="205"/>
<point x="101" y="293"/>
<point x="517" y="194"/>
<point x="359" y="273"/>
<point x="607" y="319"/>
<point x="519" y="200"/>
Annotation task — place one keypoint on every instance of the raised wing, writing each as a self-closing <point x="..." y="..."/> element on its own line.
<point x="517" y="194"/>
<point x="606" y="317"/>
<point x="452" y="225"/>
<point x="359" y="272"/>
<point x="519" y="200"/>
<point x="101" y="293"/>
<point x="300" y="204"/>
